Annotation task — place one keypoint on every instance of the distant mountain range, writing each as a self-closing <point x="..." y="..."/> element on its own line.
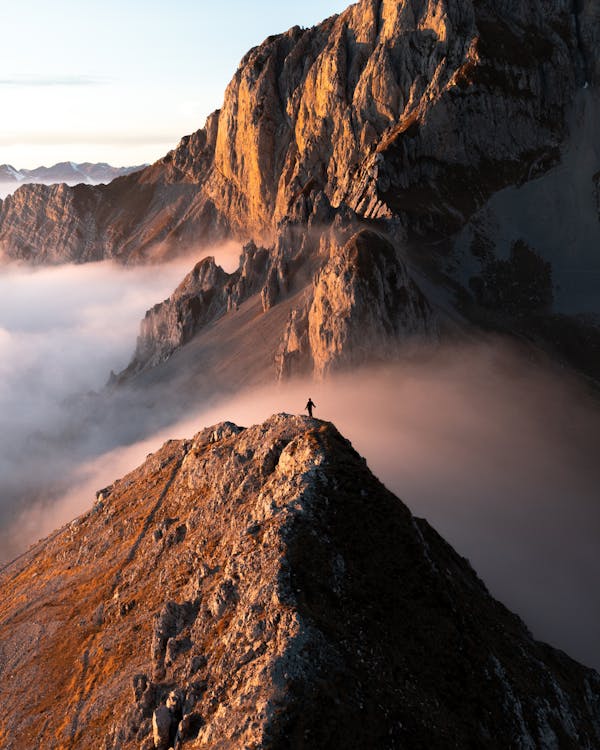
<point x="65" y="171"/>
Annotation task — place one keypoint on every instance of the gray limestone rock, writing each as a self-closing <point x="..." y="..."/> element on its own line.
<point x="363" y="306"/>
<point x="205" y="294"/>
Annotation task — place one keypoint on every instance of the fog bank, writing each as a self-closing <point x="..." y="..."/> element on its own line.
<point x="62" y="330"/>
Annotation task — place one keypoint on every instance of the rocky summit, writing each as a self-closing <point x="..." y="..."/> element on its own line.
<point x="260" y="588"/>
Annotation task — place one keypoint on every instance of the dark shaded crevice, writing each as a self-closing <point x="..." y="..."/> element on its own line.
<point x="584" y="72"/>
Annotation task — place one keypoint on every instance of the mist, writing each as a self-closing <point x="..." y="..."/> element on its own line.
<point x="498" y="451"/>
<point x="62" y="330"/>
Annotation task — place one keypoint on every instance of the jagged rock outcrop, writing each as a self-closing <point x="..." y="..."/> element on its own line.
<point x="50" y="217"/>
<point x="360" y="305"/>
<point x="294" y="354"/>
<point x="260" y="588"/>
<point x="416" y="111"/>
<point x="205" y="294"/>
<point x="364" y="307"/>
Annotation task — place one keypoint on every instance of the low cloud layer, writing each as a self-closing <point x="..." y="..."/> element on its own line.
<point x="498" y="452"/>
<point x="62" y="330"/>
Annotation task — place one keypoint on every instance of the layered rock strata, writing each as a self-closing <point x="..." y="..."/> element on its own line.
<point x="136" y="218"/>
<point x="260" y="588"/>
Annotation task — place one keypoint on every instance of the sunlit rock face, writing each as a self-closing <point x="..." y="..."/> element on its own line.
<point x="363" y="306"/>
<point x="47" y="223"/>
<point x="260" y="588"/>
<point x="136" y="218"/>
<point x="415" y="110"/>
<point x="418" y="109"/>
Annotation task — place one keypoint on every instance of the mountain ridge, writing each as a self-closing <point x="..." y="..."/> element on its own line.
<point x="263" y="589"/>
<point x="62" y="172"/>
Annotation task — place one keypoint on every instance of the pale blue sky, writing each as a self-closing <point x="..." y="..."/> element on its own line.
<point x="122" y="80"/>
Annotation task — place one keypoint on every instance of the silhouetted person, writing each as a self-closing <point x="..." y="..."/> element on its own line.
<point x="310" y="406"/>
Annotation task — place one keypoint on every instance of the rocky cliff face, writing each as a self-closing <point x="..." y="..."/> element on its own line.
<point x="135" y="218"/>
<point x="204" y="296"/>
<point x="417" y="111"/>
<point x="360" y="305"/>
<point x="260" y="588"/>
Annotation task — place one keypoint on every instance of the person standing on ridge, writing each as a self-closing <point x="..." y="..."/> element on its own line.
<point x="310" y="406"/>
